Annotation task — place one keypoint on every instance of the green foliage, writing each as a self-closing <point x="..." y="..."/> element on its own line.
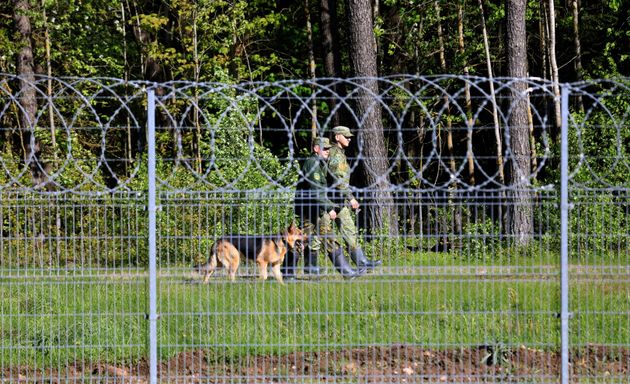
<point x="9" y="51"/>
<point x="229" y="41"/>
<point x="12" y="171"/>
<point x="216" y="34"/>
<point x="72" y="166"/>
<point x="482" y="240"/>
<point x="598" y="225"/>
<point x="86" y="37"/>
<point x="73" y="231"/>
<point x="598" y="219"/>
<point x="599" y="142"/>
<point x="604" y="25"/>
<point x="266" y="40"/>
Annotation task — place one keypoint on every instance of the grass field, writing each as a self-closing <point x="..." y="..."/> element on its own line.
<point x="54" y="318"/>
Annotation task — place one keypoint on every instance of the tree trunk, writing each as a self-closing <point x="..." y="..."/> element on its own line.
<point x="456" y="228"/>
<point x="197" y="68"/>
<point x="129" y="144"/>
<point x="520" y="218"/>
<point x="330" y="51"/>
<point x="28" y="101"/>
<point x="554" y="65"/>
<point x="495" y="119"/>
<point x="376" y="12"/>
<point x="575" y="5"/>
<point x="311" y="65"/>
<point x="469" y="116"/>
<point x="51" y="122"/>
<point x="543" y="27"/>
<point x="382" y="214"/>
<point x="49" y="91"/>
<point x="495" y="112"/>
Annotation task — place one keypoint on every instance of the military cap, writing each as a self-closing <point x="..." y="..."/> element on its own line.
<point x="341" y="130"/>
<point x="323" y="142"/>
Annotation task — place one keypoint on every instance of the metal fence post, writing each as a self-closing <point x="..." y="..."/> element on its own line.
<point x="152" y="239"/>
<point x="564" y="235"/>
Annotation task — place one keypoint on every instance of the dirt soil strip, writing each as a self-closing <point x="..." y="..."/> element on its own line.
<point x="395" y="364"/>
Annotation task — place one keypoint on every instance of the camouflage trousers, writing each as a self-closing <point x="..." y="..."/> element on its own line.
<point x="321" y="235"/>
<point x="347" y="228"/>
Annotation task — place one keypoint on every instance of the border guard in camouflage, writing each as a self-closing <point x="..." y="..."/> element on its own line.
<point x="317" y="214"/>
<point x="339" y="173"/>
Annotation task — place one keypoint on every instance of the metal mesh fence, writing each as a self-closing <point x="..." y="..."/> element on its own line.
<point x="113" y="191"/>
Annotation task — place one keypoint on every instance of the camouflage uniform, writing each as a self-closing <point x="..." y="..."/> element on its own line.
<point x="313" y="205"/>
<point x="339" y="172"/>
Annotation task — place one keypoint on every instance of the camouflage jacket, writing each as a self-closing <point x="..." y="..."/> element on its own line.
<point x="339" y="173"/>
<point x="311" y="198"/>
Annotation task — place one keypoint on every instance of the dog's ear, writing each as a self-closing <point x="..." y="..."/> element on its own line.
<point x="292" y="227"/>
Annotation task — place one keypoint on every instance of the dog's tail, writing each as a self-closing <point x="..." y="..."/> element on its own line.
<point x="210" y="264"/>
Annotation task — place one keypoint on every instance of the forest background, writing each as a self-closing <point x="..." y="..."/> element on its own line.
<point x="217" y="40"/>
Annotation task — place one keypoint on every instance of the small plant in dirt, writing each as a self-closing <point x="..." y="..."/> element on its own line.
<point x="497" y="355"/>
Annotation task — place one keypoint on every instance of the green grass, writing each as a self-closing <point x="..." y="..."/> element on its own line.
<point x="53" y="322"/>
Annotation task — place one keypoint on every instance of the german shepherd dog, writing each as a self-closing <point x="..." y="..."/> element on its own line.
<point x="228" y="250"/>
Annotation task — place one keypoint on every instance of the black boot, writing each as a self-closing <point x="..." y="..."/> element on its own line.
<point x="342" y="266"/>
<point x="289" y="265"/>
<point x="358" y="257"/>
<point x="310" y="262"/>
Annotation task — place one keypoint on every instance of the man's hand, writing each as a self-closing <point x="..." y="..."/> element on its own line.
<point x="332" y="214"/>
<point x="354" y="204"/>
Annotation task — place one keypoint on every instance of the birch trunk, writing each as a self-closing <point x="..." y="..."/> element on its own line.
<point x="493" y="100"/>
<point x="575" y="5"/>
<point x="554" y="65"/>
<point x="457" y="218"/>
<point x="311" y="66"/>
<point x="469" y="116"/>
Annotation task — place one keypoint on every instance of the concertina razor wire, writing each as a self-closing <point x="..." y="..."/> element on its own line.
<point x="441" y="132"/>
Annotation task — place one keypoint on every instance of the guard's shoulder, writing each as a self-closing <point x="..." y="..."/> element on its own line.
<point x="335" y="153"/>
<point x="309" y="164"/>
<point x="309" y="160"/>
